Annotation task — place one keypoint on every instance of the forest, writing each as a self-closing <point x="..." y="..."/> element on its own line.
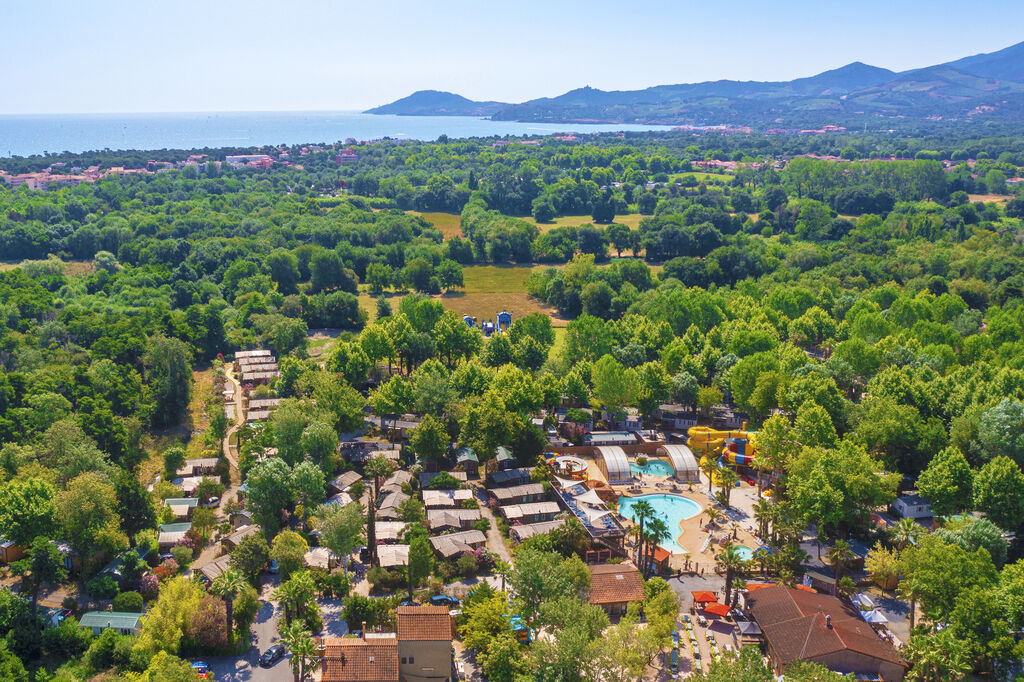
<point x="858" y="299"/>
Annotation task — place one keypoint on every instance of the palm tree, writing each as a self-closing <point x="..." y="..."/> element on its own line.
<point x="295" y="594"/>
<point x="761" y="556"/>
<point x="726" y="480"/>
<point x="708" y="466"/>
<point x="839" y="555"/>
<point x="732" y="563"/>
<point x="503" y="569"/>
<point x="786" y="577"/>
<point x="377" y="468"/>
<point x="764" y="512"/>
<point x="905" y="532"/>
<point x="299" y="641"/>
<point x="713" y="515"/>
<point x="227" y="586"/>
<point x="642" y="510"/>
<point x="846" y="587"/>
<point x="657" y="532"/>
<point x="686" y="561"/>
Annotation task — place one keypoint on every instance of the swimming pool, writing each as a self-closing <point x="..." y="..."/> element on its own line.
<point x="654" y="467"/>
<point x="745" y="552"/>
<point x="672" y="508"/>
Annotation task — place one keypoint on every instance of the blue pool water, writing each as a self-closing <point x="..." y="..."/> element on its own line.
<point x="654" y="467"/>
<point x="673" y="509"/>
<point x="745" y="552"/>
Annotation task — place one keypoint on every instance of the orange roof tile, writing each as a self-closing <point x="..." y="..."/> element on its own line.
<point x="424" y="623"/>
<point x="615" y="583"/>
<point x="352" y="659"/>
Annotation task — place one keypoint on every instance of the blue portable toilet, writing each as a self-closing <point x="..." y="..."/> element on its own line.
<point x="470" y="322"/>
<point x="504" y="321"/>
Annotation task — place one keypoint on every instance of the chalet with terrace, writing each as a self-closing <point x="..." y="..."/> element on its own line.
<point x="520" y="494"/>
<point x="434" y="499"/>
<point x="800" y="625"/>
<point x="389" y="506"/>
<point x="614" y="587"/>
<point x="454" y="544"/>
<point x="507" y="477"/>
<point x="447" y="519"/>
<point x="235" y="539"/>
<point x="529" y="530"/>
<point x="342" y="482"/>
<point x="469" y="462"/>
<point x="198" y="467"/>
<point x="503" y="459"/>
<point x="533" y="512"/>
<point x="215" y="569"/>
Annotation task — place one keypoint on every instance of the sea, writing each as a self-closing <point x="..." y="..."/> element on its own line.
<point x="38" y="134"/>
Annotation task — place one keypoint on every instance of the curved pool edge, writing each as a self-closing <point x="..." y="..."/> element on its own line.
<point x="676" y="540"/>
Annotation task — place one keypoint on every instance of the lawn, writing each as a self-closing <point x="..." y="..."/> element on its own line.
<point x="710" y="178"/>
<point x="72" y="268"/>
<point x="449" y="224"/>
<point x="631" y="220"/>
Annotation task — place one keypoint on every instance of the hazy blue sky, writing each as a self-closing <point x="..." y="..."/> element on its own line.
<point x="65" y="56"/>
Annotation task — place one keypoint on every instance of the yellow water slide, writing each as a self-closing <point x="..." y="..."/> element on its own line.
<point x="705" y="440"/>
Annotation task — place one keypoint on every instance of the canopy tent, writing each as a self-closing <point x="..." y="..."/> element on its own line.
<point x="565" y="482"/>
<point x="590" y="497"/>
<point x="874" y="616"/>
<point x="703" y="596"/>
<point x="594" y="515"/>
<point x="683" y="461"/>
<point x="614" y="464"/>
<point x="717" y="609"/>
<point x="757" y="586"/>
<point x="748" y="628"/>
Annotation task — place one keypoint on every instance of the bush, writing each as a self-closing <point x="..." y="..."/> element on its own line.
<point x="483" y="525"/>
<point x="445" y="571"/>
<point x="67" y="640"/>
<point x="107" y="650"/>
<point x="70" y="604"/>
<point x="131" y="602"/>
<point x="168" y="569"/>
<point x="102" y="587"/>
<point x="182" y="554"/>
<point x="503" y="528"/>
<point x="149" y="586"/>
<point x="330" y="585"/>
<point x="466" y="566"/>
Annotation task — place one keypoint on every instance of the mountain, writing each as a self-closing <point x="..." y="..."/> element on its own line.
<point x="989" y="85"/>
<point x="437" y="103"/>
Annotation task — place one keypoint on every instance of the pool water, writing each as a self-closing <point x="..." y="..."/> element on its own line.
<point x="745" y="552"/>
<point x="672" y="508"/>
<point x="654" y="467"/>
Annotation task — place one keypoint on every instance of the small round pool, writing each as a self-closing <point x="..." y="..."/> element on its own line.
<point x="654" y="467"/>
<point x="672" y="508"/>
<point x="745" y="552"/>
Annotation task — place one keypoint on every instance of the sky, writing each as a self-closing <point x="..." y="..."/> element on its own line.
<point x="69" y="56"/>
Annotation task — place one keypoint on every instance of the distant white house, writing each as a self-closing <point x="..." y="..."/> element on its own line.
<point x="912" y="506"/>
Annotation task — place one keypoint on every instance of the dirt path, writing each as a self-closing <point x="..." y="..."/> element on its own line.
<point x="495" y="542"/>
<point x="230" y="455"/>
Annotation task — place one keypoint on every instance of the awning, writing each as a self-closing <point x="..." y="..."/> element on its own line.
<point x="566" y="483"/>
<point x="807" y="588"/>
<point x="703" y="596"/>
<point x="874" y="617"/>
<point x="595" y="514"/>
<point x="590" y="497"/>
<point x="757" y="586"/>
<point x="748" y="627"/>
<point x="717" y="609"/>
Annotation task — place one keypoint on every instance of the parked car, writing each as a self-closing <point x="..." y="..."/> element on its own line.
<point x="272" y="566"/>
<point x="444" y="600"/>
<point x="211" y="503"/>
<point x="59" y="617"/>
<point x="408" y="602"/>
<point x="272" y="655"/>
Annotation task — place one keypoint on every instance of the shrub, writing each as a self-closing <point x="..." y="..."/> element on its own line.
<point x="467" y="566"/>
<point x="102" y="587"/>
<point x="483" y="525"/>
<point x="182" y="554"/>
<point x="445" y="571"/>
<point x="131" y="602"/>
<point x="168" y="569"/>
<point x="641" y="460"/>
<point x="67" y="640"/>
<point x="149" y="586"/>
<point x="70" y="604"/>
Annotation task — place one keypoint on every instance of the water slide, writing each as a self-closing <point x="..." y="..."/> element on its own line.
<point x="705" y="440"/>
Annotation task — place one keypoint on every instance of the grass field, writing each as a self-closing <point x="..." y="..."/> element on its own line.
<point x="72" y="268"/>
<point x="449" y="224"/>
<point x="631" y="220"/>
<point x="710" y="178"/>
<point x="990" y="198"/>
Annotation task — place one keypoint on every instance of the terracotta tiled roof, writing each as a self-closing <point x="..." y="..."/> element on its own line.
<point x="794" y="623"/>
<point x="424" y="623"/>
<point x="353" y="659"/>
<point x="615" y="583"/>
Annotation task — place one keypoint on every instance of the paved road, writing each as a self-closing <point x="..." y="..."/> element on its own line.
<point x="246" y="668"/>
